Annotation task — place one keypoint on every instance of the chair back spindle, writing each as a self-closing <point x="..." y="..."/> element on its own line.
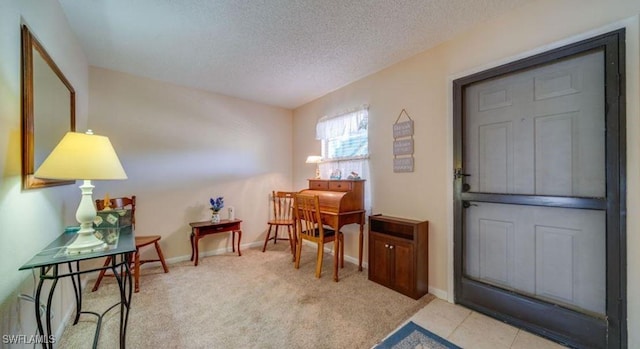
<point x="308" y="209"/>
<point x="282" y="205"/>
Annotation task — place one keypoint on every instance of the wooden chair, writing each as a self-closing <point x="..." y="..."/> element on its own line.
<point x="141" y="241"/>
<point x="309" y="227"/>
<point x="282" y="202"/>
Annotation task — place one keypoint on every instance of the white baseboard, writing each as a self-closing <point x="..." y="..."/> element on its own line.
<point x="442" y="294"/>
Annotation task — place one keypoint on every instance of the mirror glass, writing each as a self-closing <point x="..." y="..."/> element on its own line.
<point x="48" y="109"/>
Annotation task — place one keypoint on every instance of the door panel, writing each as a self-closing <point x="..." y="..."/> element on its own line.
<point x="495" y="164"/>
<point x="380" y="260"/>
<point x="554" y="154"/>
<point x="539" y="132"/>
<point x="553" y="254"/>
<point x="403" y="266"/>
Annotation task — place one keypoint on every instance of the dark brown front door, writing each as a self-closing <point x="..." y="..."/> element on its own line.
<point x="539" y="193"/>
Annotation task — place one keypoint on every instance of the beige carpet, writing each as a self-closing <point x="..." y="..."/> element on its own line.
<point x="255" y="301"/>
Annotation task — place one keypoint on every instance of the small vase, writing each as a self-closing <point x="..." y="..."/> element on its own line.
<point x="215" y="217"/>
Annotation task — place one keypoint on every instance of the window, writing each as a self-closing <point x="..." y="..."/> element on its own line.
<point x="352" y="146"/>
<point x="345" y="146"/>
<point x="344" y="137"/>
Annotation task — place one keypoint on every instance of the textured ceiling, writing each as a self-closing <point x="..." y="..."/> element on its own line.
<point x="278" y="52"/>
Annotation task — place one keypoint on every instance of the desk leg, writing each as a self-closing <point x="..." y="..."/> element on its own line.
<point x="336" y="252"/>
<point x="360" y="244"/>
<point x="196" y="256"/>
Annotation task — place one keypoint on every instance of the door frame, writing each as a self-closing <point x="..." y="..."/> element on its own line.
<point x="497" y="302"/>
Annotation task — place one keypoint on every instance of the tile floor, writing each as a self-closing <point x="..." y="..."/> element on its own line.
<point x="469" y="329"/>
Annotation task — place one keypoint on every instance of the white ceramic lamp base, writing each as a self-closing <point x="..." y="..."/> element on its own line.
<point x="86" y="242"/>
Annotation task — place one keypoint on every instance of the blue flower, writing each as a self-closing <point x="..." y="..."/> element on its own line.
<point x="216" y="204"/>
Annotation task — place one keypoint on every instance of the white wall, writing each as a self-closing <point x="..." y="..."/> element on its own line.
<point x="29" y="220"/>
<point x="181" y="146"/>
<point x="422" y="86"/>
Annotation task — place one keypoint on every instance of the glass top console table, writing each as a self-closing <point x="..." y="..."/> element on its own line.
<point x="120" y="245"/>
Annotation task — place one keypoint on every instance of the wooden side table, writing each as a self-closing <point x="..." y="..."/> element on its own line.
<point x="202" y="229"/>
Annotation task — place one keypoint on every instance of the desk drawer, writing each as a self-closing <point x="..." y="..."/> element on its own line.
<point x="219" y="228"/>
<point x="340" y="186"/>
<point x="318" y="185"/>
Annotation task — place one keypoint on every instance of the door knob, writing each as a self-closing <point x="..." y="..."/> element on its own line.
<point x="467" y="204"/>
<point x="457" y="174"/>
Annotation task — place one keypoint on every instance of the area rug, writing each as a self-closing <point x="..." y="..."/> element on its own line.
<point x="412" y="336"/>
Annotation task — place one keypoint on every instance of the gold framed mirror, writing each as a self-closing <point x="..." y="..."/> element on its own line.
<point x="48" y="109"/>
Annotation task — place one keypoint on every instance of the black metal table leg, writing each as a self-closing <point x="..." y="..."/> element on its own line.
<point x="43" y="271"/>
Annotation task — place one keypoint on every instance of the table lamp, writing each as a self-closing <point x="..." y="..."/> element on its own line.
<point x="83" y="156"/>
<point x="315" y="159"/>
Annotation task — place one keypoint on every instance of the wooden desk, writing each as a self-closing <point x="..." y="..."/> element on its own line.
<point x="341" y="203"/>
<point x="202" y="229"/>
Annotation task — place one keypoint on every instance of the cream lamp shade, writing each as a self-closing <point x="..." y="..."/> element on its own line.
<point x="82" y="156"/>
<point x="315" y="159"/>
<point x="87" y="157"/>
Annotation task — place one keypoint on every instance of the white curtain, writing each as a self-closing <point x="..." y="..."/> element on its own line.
<point x="343" y="124"/>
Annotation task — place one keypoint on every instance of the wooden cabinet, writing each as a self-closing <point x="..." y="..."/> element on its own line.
<point x="398" y="254"/>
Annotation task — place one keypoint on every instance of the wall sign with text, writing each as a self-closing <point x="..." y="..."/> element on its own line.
<point x="403" y="144"/>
